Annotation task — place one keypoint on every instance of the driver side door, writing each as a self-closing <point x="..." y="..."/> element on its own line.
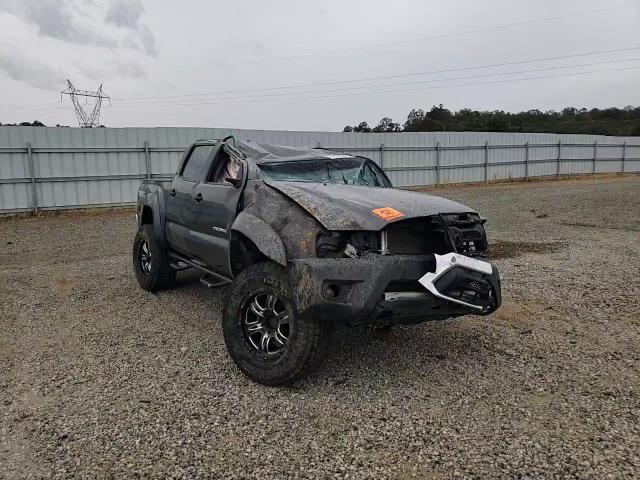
<point x="215" y="214"/>
<point x="182" y="205"/>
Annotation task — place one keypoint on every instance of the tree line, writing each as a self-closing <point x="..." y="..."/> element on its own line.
<point x="606" y="121"/>
<point x="35" y="123"/>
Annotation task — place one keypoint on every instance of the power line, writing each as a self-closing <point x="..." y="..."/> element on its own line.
<point x="290" y="97"/>
<point x="385" y="77"/>
<point x="355" y="80"/>
<point x="285" y="94"/>
<point x="400" y="42"/>
<point x="434" y="87"/>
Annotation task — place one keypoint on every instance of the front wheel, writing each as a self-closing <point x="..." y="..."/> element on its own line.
<point x="265" y="338"/>
<point x="151" y="262"/>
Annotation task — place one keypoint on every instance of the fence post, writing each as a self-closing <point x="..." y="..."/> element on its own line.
<point x="437" y="163"/>
<point x="526" y="162"/>
<point x="595" y="156"/>
<point x="32" y="172"/>
<point x="486" y="161"/>
<point x="147" y="159"/>
<point x="559" y="156"/>
<point x="382" y="155"/>
<point x="624" y="155"/>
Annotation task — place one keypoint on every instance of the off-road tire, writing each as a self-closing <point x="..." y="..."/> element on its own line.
<point x="160" y="275"/>
<point x="308" y="342"/>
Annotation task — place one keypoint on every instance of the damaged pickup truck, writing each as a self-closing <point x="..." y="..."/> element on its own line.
<point x="308" y="238"/>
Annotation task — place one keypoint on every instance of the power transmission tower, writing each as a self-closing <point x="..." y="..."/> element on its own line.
<point x="91" y="119"/>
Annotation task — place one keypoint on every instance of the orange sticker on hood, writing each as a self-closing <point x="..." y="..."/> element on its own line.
<point x="388" y="213"/>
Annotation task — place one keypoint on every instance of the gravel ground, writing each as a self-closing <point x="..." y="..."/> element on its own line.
<point x="100" y="379"/>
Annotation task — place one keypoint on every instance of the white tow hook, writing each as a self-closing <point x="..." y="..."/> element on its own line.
<point x="444" y="263"/>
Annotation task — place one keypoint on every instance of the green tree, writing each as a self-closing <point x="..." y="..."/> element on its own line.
<point x="387" y="124"/>
<point x="414" y="120"/>
<point x="362" y="127"/>
<point x="601" y="121"/>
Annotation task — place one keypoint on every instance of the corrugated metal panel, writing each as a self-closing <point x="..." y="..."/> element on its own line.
<point x="92" y="167"/>
<point x="15" y="197"/>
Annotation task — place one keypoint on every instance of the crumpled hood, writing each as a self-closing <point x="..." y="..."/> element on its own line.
<point x="350" y="207"/>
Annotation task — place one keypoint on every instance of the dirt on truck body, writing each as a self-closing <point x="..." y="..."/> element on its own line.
<point x="307" y="238"/>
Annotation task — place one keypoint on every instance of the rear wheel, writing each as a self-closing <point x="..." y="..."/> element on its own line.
<point x="265" y="338"/>
<point x="151" y="262"/>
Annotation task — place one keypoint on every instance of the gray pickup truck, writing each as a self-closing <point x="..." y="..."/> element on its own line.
<point x="308" y="238"/>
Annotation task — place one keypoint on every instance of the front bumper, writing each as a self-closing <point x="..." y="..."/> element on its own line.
<point x="390" y="289"/>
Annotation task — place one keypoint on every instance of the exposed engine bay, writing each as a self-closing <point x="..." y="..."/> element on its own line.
<point x="444" y="233"/>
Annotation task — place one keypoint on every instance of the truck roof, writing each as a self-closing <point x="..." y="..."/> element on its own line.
<point x="262" y="153"/>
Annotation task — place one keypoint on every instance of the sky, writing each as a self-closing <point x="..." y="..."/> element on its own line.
<point x="313" y="65"/>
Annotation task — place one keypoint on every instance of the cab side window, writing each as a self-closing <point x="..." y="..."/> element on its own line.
<point x="224" y="167"/>
<point x="196" y="163"/>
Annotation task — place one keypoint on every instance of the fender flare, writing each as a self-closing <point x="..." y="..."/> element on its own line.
<point x="262" y="235"/>
<point x="154" y="199"/>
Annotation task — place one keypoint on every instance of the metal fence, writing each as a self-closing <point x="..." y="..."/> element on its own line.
<point x="61" y="168"/>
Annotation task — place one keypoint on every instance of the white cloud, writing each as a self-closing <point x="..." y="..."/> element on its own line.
<point x="116" y="69"/>
<point x="127" y="14"/>
<point x="74" y="36"/>
<point x="148" y="40"/>
<point x="83" y="22"/>
<point x="58" y="19"/>
<point x="30" y="71"/>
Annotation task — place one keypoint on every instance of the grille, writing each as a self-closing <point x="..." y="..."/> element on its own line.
<point x="471" y="235"/>
<point x="430" y="235"/>
<point x="470" y="242"/>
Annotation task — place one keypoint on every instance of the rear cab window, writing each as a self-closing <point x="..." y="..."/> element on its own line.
<point x="197" y="163"/>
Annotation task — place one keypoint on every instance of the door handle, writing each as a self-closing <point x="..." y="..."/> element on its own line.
<point x="172" y="192"/>
<point x="197" y="198"/>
